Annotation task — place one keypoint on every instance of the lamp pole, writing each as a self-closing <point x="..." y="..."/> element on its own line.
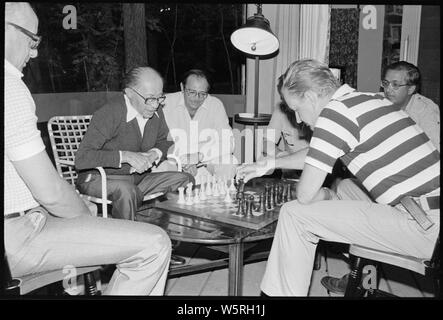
<point x="257" y="64"/>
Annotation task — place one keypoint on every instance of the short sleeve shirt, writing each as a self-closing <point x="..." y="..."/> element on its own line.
<point x="22" y="139"/>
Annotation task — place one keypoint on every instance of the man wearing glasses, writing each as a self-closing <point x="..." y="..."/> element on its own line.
<point x="129" y="137"/>
<point x="200" y="127"/>
<point x="47" y="226"/>
<point x="401" y="83"/>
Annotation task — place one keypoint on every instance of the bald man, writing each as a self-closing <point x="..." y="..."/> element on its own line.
<point x="47" y="226"/>
<point x="129" y="137"/>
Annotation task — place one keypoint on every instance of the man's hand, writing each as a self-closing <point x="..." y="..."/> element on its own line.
<point x="254" y="170"/>
<point x="191" y="158"/>
<point x="139" y="161"/>
<point x="190" y="168"/>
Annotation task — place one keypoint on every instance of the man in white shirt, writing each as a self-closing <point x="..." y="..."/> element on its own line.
<point x="401" y="82"/>
<point x="200" y="127"/>
<point x="47" y="226"/>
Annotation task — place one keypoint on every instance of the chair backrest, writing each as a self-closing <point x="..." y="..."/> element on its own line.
<point x="65" y="134"/>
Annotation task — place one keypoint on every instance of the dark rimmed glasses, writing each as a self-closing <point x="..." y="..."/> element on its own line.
<point x="150" y="100"/>
<point x="35" y="38"/>
<point x="193" y="94"/>
<point x="394" y="85"/>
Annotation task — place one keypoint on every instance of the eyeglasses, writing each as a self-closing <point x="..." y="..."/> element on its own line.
<point x="394" y="85"/>
<point x="193" y="94"/>
<point x="150" y="100"/>
<point x="35" y="38"/>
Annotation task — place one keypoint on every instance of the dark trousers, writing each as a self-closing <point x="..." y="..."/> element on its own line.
<point x="127" y="191"/>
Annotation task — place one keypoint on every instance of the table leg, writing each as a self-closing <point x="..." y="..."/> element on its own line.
<point x="235" y="269"/>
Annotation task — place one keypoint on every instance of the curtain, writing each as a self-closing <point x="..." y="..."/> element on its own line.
<point x="314" y="31"/>
<point x="303" y="31"/>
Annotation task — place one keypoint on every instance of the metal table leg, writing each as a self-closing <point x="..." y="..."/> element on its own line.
<point x="235" y="284"/>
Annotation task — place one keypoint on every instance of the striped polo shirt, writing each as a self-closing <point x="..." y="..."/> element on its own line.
<point x="381" y="145"/>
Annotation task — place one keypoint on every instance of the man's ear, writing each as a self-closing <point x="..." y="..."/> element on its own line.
<point x="411" y="90"/>
<point x="182" y="87"/>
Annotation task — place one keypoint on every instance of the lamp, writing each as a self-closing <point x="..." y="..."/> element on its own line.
<point x="255" y="38"/>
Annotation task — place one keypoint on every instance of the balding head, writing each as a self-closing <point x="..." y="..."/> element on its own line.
<point x="21" y="13"/>
<point x="141" y="83"/>
<point x="17" y="43"/>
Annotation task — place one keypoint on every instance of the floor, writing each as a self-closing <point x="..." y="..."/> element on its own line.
<point x="394" y="280"/>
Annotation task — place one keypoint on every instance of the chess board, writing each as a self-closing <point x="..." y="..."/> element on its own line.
<point x="214" y="208"/>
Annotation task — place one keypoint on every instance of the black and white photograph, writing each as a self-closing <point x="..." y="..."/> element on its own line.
<point x="168" y="151"/>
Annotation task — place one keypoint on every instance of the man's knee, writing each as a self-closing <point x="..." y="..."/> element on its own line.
<point x="292" y="210"/>
<point x="126" y="191"/>
<point x="184" y="178"/>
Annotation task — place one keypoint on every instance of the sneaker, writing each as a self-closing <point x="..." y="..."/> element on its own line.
<point x="335" y="285"/>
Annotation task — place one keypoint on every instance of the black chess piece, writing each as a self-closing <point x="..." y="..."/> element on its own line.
<point x="285" y="193"/>
<point x="289" y="192"/>
<point x="241" y="204"/>
<point x="250" y="206"/>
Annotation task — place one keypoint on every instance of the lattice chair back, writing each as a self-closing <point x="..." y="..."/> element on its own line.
<point x="65" y="134"/>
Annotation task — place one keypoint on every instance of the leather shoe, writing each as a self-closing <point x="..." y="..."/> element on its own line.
<point x="177" y="261"/>
<point x="335" y="285"/>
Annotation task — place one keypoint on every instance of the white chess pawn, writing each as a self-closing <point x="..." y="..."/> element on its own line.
<point x="202" y="194"/>
<point x="197" y="196"/>
<point x="181" y="195"/>
<point x="215" y="192"/>
<point x="208" y="186"/>
<point x="189" y="200"/>
<point x="228" y="198"/>
<point x="221" y="187"/>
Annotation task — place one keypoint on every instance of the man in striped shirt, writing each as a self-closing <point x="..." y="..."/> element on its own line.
<point x="381" y="145"/>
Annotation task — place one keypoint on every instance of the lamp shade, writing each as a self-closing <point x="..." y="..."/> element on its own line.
<point x="255" y="37"/>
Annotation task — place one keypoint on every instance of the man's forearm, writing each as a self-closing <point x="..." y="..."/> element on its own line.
<point x="294" y="161"/>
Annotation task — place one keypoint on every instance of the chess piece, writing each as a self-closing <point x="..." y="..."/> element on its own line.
<point x="240" y="202"/>
<point x="250" y="206"/>
<point x="285" y="193"/>
<point x="215" y="192"/>
<point x="274" y="195"/>
<point x="228" y="198"/>
<point x="202" y="193"/>
<point x="221" y="187"/>
<point x="260" y="209"/>
<point x="289" y="192"/>
<point x="197" y="195"/>
<point x="208" y="186"/>
<point x="189" y="200"/>
<point x="232" y="187"/>
<point x="181" y="195"/>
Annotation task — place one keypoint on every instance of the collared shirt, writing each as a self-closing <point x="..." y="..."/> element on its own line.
<point x="131" y="114"/>
<point x="22" y="139"/>
<point x="380" y="144"/>
<point x="427" y="115"/>
<point x="207" y="132"/>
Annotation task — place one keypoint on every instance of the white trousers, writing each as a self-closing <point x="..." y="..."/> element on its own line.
<point x="362" y="222"/>
<point x="38" y="242"/>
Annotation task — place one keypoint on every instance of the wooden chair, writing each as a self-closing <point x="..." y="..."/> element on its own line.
<point x="65" y="134"/>
<point x="362" y="256"/>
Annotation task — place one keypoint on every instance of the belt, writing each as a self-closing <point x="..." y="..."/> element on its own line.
<point x="16" y="214"/>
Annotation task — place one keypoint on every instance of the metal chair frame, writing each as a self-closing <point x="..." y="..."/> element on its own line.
<point x="362" y="256"/>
